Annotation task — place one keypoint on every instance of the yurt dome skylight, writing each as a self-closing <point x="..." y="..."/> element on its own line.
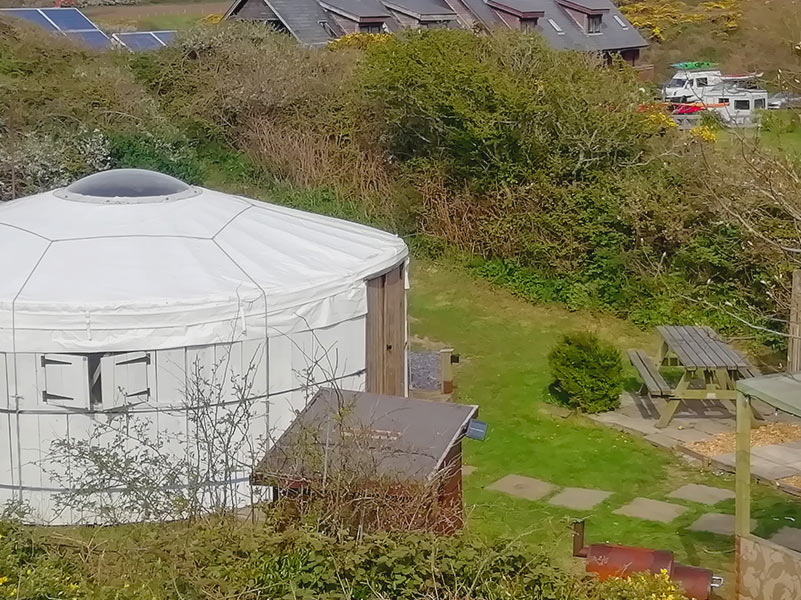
<point x="127" y="186"/>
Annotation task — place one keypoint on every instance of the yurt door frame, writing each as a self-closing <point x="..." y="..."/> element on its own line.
<point x="386" y="333"/>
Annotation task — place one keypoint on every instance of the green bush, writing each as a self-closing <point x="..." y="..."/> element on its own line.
<point x="587" y="373"/>
<point x="641" y="586"/>
<point x="781" y="121"/>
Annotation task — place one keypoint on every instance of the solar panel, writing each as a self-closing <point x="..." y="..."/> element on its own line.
<point x="94" y="39"/>
<point x="68" y="19"/>
<point x="166" y="37"/>
<point x="29" y="14"/>
<point x="139" y="40"/>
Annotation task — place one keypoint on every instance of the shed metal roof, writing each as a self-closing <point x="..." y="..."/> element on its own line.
<point x="781" y="391"/>
<point x="385" y="436"/>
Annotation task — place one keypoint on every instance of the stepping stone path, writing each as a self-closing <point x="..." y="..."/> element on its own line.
<point x="716" y="523"/>
<point x="522" y="487"/>
<point x="704" y="494"/>
<point x="647" y="509"/>
<point x="467" y="469"/>
<point x="579" y="498"/>
<point x="789" y="537"/>
<point x="651" y="510"/>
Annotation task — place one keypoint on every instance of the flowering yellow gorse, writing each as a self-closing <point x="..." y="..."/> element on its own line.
<point x="659" y="18"/>
<point x="643" y="586"/>
<point x="704" y="133"/>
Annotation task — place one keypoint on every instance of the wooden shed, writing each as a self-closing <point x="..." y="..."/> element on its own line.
<point x="363" y="441"/>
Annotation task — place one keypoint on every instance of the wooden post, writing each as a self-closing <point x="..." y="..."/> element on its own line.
<point x="742" y="508"/>
<point x="446" y="370"/>
<point x="742" y="483"/>
<point x="794" y="343"/>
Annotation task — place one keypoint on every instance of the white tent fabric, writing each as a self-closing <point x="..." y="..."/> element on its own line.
<point x="84" y="274"/>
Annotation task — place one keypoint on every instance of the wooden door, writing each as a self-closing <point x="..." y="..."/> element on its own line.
<point x="386" y="333"/>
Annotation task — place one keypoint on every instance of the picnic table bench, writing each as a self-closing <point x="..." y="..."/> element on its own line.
<point x="703" y="356"/>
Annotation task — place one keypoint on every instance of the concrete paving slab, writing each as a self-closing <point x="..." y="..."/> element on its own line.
<point x="705" y="494"/>
<point x="778" y="453"/>
<point x="716" y="523"/>
<point x="760" y="467"/>
<point x="467" y="469"/>
<point x="651" y="510"/>
<point x="770" y="470"/>
<point x="579" y="498"/>
<point x="686" y="436"/>
<point x="729" y="459"/>
<point x="662" y="440"/>
<point x="522" y="487"/>
<point x="789" y="537"/>
<point x="714" y="426"/>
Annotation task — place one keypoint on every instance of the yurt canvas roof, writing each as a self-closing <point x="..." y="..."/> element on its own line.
<point x="135" y="260"/>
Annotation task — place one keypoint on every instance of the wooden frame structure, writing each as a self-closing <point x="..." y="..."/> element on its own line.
<point x="763" y="570"/>
<point x="386" y="333"/>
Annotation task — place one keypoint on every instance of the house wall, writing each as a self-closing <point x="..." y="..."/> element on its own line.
<point x="579" y="17"/>
<point x="766" y="571"/>
<point x="406" y="20"/>
<point x="631" y="55"/>
<point x="510" y="20"/>
<point x="347" y="25"/>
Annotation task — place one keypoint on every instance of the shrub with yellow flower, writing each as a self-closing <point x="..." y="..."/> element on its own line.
<point x="704" y="133"/>
<point x="359" y="41"/>
<point x="641" y="586"/>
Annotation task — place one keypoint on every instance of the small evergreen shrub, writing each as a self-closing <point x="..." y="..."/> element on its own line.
<point x="587" y="373"/>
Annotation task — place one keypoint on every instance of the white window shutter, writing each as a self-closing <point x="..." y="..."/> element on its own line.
<point x="125" y="379"/>
<point x="66" y="380"/>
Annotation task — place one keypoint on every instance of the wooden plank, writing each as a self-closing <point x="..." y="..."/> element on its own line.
<point x="395" y="333"/>
<point x="729" y="357"/>
<point x="742" y="478"/>
<point x="650" y="374"/>
<point x="675" y="345"/>
<point x="706" y="348"/>
<point x="687" y="353"/>
<point x="794" y="344"/>
<point x="375" y="336"/>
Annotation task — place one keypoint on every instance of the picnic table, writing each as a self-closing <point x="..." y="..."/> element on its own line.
<point x="711" y="368"/>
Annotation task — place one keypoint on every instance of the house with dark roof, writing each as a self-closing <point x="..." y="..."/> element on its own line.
<point x="584" y="25"/>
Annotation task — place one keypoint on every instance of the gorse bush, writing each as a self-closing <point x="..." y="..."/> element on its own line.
<point x="640" y="586"/>
<point x="587" y="373"/>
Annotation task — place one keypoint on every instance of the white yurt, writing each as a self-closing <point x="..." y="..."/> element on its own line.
<point x="118" y="289"/>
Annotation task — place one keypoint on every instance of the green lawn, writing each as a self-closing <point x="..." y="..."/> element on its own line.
<point x="504" y="342"/>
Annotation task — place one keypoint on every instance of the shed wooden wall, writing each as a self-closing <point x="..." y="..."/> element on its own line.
<point x="386" y="333"/>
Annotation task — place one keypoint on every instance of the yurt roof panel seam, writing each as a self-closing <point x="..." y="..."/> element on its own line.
<point x="28" y="231"/>
<point x="228" y="222"/>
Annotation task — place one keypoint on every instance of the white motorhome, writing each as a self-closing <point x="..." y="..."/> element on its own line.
<point x="690" y="80"/>
<point x="736" y="106"/>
